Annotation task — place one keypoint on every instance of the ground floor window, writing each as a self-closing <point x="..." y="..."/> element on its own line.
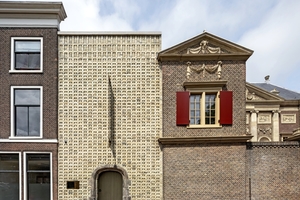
<point x="9" y="176"/>
<point x="35" y="182"/>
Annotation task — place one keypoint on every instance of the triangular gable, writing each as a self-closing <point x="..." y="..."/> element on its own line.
<point x="254" y="93"/>
<point x="205" y="47"/>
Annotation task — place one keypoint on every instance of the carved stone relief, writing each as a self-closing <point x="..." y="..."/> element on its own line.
<point x="267" y="130"/>
<point x="264" y="118"/>
<point x="204" y="48"/>
<point x="210" y="69"/>
<point x="252" y="96"/>
<point x="288" y="118"/>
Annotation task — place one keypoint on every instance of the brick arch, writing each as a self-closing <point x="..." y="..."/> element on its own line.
<point x="109" y="168"/>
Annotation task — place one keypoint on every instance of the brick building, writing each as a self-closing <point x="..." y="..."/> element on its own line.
<point x="95" y="115"/>
<point x="207" y="153"/>
<point x="29" y="99"/>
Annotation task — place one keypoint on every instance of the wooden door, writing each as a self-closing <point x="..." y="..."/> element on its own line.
<point x="110" y="186"/>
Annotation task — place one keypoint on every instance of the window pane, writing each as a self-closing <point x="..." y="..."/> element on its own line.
<point x="27" y="97"/>
<point x="27" y="61"/>
<point x="38" y="185"/>
<point x="27" y="46"/>
<point x="21" y="121"/>
<point x="197" y="120"/>
<point x="38" y="162"/>
<point x="34" y="121"/>
<point x="9" y="161"/>
<point x="9" y="185"/>
<point x="192" y="106"/>
<point x="192" y="121"/>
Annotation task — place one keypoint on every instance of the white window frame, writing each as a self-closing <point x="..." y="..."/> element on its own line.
<point x="25" y="172"/>
<point x="12" y="62"/>
<point x="20" y="170"/>
<point x="203" y="91"/>
<point x="12" y="113"/>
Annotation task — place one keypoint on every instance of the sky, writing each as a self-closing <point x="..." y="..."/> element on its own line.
<point x="271" y="28"/>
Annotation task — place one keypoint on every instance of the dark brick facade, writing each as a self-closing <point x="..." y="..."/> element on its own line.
<point x="204" y="171"/>
<point x="174" y="75"/>
<point x="273" y="171"/>
<point x="47" y="79"/>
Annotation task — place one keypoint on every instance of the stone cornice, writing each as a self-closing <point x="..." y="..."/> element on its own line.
<point x="216" y="83"/>
<point x="26" y="7"/>
<point x="199" y="140"/>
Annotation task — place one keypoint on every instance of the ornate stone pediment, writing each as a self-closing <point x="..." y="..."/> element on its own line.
<point x="205" y="47"/>
<point x="254" y="93"/>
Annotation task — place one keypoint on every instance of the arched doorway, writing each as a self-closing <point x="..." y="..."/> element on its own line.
<point x="112" y="172"/>
<point x="110" y="186"/>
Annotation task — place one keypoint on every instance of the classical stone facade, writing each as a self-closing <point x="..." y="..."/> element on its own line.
<point x="109" y="112"/>
<point x="272" y="112"/>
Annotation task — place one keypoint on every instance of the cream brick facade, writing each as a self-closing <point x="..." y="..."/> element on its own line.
<point x="91" y="109"/>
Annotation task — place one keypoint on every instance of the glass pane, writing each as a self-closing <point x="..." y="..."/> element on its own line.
<point x="192" y="113"/>
<point x="21" y="121"/>
<point x="9" y="161"/>
<point x="34" y="121"/>
<point x="38" y="161"/>
<point x="192" y="121"/>
<point x="27" y="97"/>
<point x="38" y="185"/>
<point x="197" y="98"/>
<point x="197" y="106"/>
<point x="192" y="98"/>
<point x="27" y="46"/>
<point x="198" y="120"/>
<point x="212" y="120"/>
<point x="27" y="61"/>
<point x="192" y="106"/>
<point x="197" y="113"/>
<point x="9" y="186"/>
<point x="207" y="121"/>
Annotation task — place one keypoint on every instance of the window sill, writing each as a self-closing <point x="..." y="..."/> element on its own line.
<point x="204" y="126"/>
<point x="25" y="138"/>
<point x="26" y="71"/>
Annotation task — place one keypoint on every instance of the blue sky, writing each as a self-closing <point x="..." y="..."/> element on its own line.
<point x="269" y="27"/>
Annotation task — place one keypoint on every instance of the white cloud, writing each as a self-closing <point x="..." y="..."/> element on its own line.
<point x="268" y="27"/>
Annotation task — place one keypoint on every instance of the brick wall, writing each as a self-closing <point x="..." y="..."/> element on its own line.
<point x="174" y="75"/>
<point x="204" y="171"/>
<point x="88" y="117"/>
<point x="47" y="79"/>
<point x="273" y="170"/>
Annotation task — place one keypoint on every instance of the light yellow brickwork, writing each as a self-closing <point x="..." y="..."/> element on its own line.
<point x="86" y="112"/>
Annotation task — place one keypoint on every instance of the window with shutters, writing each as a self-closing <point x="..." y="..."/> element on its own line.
<point x="204" y="105"/>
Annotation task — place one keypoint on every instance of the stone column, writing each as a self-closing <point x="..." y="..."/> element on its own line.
<point x="253" y="125"/>
<point x="275" y="126"/>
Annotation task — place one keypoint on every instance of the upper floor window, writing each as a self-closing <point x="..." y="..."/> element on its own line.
<point x="26" y="112"/>
<point x="204" y="105"/>
<point x="26" y="54"/>
<point x="203" y="109"/>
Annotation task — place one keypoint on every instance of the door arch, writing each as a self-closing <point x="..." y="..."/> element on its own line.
<point x="110" y="186"/>
<point x="100" y="171"/>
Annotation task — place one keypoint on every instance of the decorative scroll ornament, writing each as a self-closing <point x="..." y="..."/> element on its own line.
<point x="265" y="130"/>
<point x="203" y="68"/>
<point x="204" y="48"/>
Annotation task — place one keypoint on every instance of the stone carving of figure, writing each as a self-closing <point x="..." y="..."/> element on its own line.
<point x="204" y="48"/>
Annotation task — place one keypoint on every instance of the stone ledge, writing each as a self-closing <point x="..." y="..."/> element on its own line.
<point x="199" y="140"/>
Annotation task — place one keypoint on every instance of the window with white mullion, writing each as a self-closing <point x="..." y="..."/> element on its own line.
<point x="210" y="114"/>
<point x="195" y="111"/>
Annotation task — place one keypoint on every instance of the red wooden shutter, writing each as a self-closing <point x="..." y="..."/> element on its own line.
<point x="226" y="107"/>
<point x="182" y="108"/>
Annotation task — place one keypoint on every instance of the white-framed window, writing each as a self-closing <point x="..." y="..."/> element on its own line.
<point x="38" y="175"/>
<point x="10" y="175"/>
<point x="26" y="112"/>
<point x="26" y="55"/>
